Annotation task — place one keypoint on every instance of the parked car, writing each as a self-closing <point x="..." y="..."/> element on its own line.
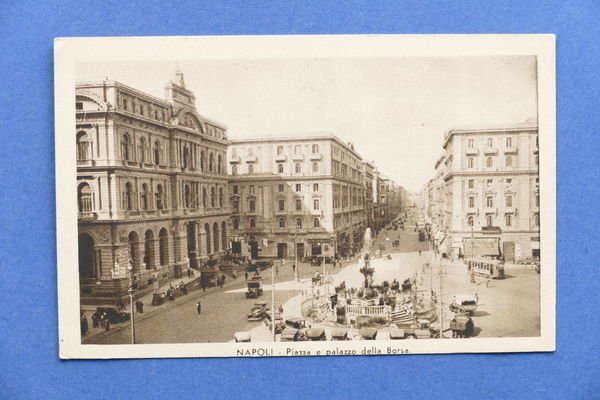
<point x="258" y="311"/>
<point x="462" y="326"/>
<point x="316" y="334"/>
<point x="263" y="264"/>
<point x="464" y="303"/>
<point x="113" y="315"/>
<point x="293" y="335"/>
<point x="339" y="334"/>
<point x="368" y="333"/>
<point x="241" y="337"/>
<point x="296" y="322"/>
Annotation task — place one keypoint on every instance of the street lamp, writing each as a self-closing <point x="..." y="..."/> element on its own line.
<point x="130" y="291"/>
<point x="296" y="274"/>
<point x="472" y="250"/>
<point x="273" y="300"/>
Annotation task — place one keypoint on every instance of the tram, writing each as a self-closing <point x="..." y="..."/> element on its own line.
<point x="491" y="269"/>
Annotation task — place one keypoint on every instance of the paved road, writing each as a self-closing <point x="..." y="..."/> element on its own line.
<point x="506" y="308"/>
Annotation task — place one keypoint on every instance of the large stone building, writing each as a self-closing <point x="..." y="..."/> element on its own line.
<point x="491" y="187"/>
<point x="301" y="196"/>
<point x="151" y="187"/>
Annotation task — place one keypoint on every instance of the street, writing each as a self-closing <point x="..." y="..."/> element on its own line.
<point x="508" y="307"/>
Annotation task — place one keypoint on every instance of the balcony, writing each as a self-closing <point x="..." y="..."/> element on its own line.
<point x="472" y="151"/>
<point x="298" y="157"/>
<point x="280" y="158"/>
<point x="490" y="151"/>
<point x="251" y="160"/>
<point x="87" y="216"/>
<point x="511" y="150"/>
<point x="316" y="156"/>
<point x="235" y="160"/>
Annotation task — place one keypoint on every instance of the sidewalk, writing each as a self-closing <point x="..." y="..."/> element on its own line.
<point x="148" y="307"/>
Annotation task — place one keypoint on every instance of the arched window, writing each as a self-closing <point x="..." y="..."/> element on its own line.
<point x="221" y="197"/>
<point x="280" y="168"/>
<point x="204" y="198"/>
<point x="252" y="223"/>
<point x="163" y="236"/>
<point x="213" y="197"/>
<point x="236" y="224"/>
<point x="128" y="196"/>
<point x="219" y="164"/>
<point x="299" y="223"/>
<point x="252" y="206"/>
<point x="211" y="163"/>
<point x="159" y="198"/>
<point x="87" y="257"/>
<point x="85" y="197"/>
<point x="216" y="236"/>
<point x="157" y="152"/>
<point x="489" y="162"/>
<point x="207" y="232"/>
<point x="470" y="220"/>
<point x="234" y="170"/>
<point x="223" y="235"/>
<point x="202" y="161"/>
<point x="316" y="223"/>
<point x="236" y="206"/>
<point x="149" y="249"/>
<point x="142" y="150"/>
<point x="471" y="162"/>
<point x="315" y="167"/>
<point x="298" y="168"/>
<point x="134" y="251"/>
<point x="536" y="219"/>
<point x="187" y="196"/>
<point x="126" y="147"/>
<point x="282" y="222"/>
<point x="251" y="169"/>
<point x="83" y="146"/>
<point x="144" y="196"/>
<point x="509" y="161"/>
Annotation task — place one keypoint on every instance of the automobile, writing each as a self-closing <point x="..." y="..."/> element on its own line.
<point x="462" y="326"/>
<point x="269" y="315"/>
<point x="113" y="315"/>
<point x="397" y="333"/>
<point x="255" y="289"/>
<point x="368" y="333"/>
<point x="258" y="311"/>
<point x="317" y="279"/>
<point x="316" y="334"/>
<point x="296" y="322"/>
<point x="339" y="334"/>
<point x="264" y="264"/>
<point x="243" y="336"/>
<point x="382" y="247"/>
<point x="464" y="303"/>
<point x="316" y="261"/>
<point x="279" y="324"/>
<point x="293" y="335"/>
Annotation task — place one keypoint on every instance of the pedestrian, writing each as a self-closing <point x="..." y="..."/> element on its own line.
<point x="84" y="325"/>
<point x="281" y="309"/>
<point x="276" y="270"/>
<point x="246" y="275"/>
<point x="476" y="298"/>
<point x="103" y="320"/>
<point x="294" y="268"/>
<point x="107" y="325"/>
<point x="141" y="306"/>
<point x="189" y="272"/>
<point x="199" y="307"/>
<point x="95" y="321"/>
<point x="419" y="252"/>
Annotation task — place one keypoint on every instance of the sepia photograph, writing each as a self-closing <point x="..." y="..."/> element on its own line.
<point x="295" y="196"/>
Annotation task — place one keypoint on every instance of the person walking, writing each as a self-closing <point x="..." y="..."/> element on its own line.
<point x="199" y="307"/>
<point x="84" y="325"/>
<point x="246" y="275"/>
<point x="277" y="270"/>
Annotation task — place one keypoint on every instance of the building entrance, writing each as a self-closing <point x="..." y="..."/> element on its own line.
<point x="508" y="249"/>
<point x="281" y="250"/>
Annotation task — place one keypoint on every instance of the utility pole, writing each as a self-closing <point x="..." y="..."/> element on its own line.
<point x="273" y="300"/>
<point x="296" y="266"/>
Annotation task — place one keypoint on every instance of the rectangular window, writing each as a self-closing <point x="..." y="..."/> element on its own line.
<point x="316" y="205"/>
<point x="281" y="205"/>
<point x="235" y="189"/>
<point x="509" y="200"/>
<point x="490" y="182"/>
<point x="508" y="181"/>
<point x="297" y="149"/>
<point x="509" y="142"/>
<point x="250" y="151"/>
<point x="315" y="148"/>
<point x="252" y="206"/>
<point x="279" y="150"/>
<point x="251" y="189"/>
<point x="471" y="183"/>
<point x="471" y="143"/>
<point x="315" y="187"/>
<point x="490" y="142"/>
<point x="489" y="202"/>
<point x="471" y="201"/>
<point x="298" y="205"/>
<point x="79" y="106"/>
<point x="509" y="220"/>
<point x="537" y="200"/>
<point x="471" y="162"/>
<point x="280" y="188"/>
<point x="298" y="187"/>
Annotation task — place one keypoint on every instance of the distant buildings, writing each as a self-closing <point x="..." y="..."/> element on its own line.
<point x="486" y="187"/>
<point x="301" y="196"/>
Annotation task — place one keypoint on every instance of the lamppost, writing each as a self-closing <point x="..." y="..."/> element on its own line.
<point x="273" y="300"/>
<point x="130" y="291"/>
<point x="472" y="250"/>
<point x="296" y="266"/>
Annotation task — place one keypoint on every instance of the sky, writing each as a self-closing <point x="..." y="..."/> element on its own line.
<point x="394" y="110"/>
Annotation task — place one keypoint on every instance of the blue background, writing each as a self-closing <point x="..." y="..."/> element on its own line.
<point x="30" y="367"/>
